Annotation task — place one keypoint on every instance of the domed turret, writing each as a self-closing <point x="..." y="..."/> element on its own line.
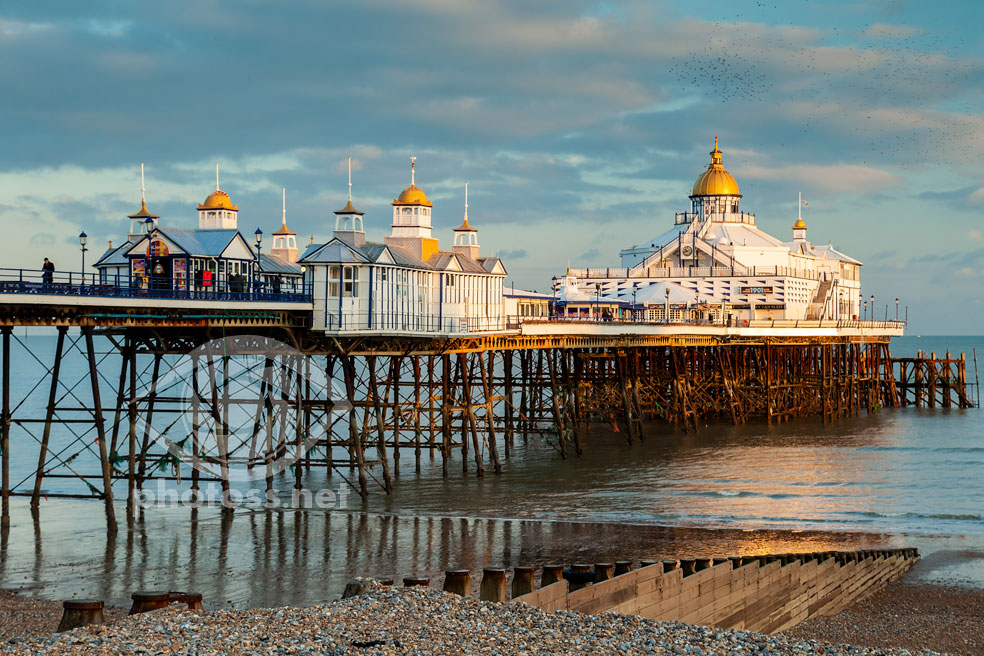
<point x="218" y="210"/>
<point x="218" y="199"/>
<point x="412" y="195"/>
<point x="715" y="194"/>
<point x="715" y="181"/>
<point x="412" y="220"/>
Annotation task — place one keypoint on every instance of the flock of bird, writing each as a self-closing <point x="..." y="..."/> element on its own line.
<point x="911" y="98"/>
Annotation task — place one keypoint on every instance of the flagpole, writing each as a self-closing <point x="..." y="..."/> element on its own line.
<point x="799" y="207"/>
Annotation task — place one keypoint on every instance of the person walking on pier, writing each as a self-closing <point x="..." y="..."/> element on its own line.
<point x="47" y="271"/>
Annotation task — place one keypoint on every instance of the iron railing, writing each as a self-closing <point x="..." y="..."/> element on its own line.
<point x="66" y="283"/>
<point x="411" y="323"/>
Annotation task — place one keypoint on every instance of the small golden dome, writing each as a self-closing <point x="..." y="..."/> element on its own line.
<point x="799" y="225"/>
<point x="465" y="227"/>
<point x="218" y="199"/>
<point x="412" y="195"/>
<point x="715" y="181"/>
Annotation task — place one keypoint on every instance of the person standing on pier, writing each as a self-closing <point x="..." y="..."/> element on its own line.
<point x="47" y="271"/>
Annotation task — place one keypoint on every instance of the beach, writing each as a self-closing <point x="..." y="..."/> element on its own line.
<point x="418" y="621"/>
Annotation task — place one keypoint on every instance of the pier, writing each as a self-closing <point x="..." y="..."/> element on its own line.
<point x="186" y="390"/>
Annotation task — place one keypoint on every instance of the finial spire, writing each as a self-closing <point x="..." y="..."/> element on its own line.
<point x="216" y="176"/>
<point x="350" y="178"/>
<point x="284" y="220"/>
<point x="413" y="165"/>
<point x="799" y="207"/>
<point x="466" y="201"/>
<point x="143" y="190"/>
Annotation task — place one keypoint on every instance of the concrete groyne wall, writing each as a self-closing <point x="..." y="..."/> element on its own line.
<point x="760" y="593"/>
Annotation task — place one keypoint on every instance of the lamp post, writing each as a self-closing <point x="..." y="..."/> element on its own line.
<point x="256" y="278"/>
<point x="666" y="312"/>
<point x="553" y="306"/>
<point x="634" y="309"/>
<point x="597" y="300"/>
<point x="83" y="238"/>
<point x="872" y="307"/>
<point x="840" y="303"/>
<point x="896" y="309"/>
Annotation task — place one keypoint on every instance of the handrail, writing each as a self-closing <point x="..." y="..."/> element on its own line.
<point x="66" y="283"/>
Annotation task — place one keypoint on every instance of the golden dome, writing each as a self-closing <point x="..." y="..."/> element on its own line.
<point x="799" y="225"/>
<point x="412" y="195"/>
<point x="715" y="181"/>
<point x="218" y="199"/>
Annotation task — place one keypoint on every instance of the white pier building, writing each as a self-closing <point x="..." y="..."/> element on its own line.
<point x="406" y="284"/>
<point x="715" y="264"/>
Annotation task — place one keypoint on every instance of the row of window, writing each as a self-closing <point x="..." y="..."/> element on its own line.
<point x="398" y="286"/>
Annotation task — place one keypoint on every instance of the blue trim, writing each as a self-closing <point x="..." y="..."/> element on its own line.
<point x="440" y="300"/>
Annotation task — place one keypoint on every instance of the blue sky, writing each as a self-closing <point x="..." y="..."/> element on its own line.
<point x="580" y="125"/>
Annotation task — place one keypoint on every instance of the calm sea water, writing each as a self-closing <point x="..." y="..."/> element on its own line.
<point x="896" y="477"/>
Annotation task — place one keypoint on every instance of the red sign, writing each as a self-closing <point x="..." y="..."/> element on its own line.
<point x="206" y="278"/>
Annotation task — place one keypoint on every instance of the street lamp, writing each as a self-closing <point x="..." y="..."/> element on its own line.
<point x="872" y="307"/>
<point x="597" y="300"/>
<point x="896" y="309"/>
<point x="259" y="239"/>
<point x="666" y="312"/>
<point x="840" y="303"/>
<point x="553" y="307"/>
<point x="83" y="238"/>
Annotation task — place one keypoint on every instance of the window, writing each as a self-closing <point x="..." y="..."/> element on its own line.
<point x="333" y="273"/>
<point x="349" y="286"/>
<point x="382" y="275"/>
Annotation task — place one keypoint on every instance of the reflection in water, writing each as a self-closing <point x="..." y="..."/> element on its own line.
<point x="303" y="557"/>
<point x="892" y="479"/>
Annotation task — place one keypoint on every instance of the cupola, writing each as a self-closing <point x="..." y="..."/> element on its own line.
<point x="284" y="239"/>
<point x="348" y="220"/>
<point x="218" y="211"/>
<point x="412" y="220"/>
<point x="465" y="236"/>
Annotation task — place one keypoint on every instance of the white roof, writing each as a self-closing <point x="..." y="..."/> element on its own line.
<point x="834" y="254"/>
<point x="740" y="234"/>
<point x="509" y="292"/>
<point x="656" y="293"/>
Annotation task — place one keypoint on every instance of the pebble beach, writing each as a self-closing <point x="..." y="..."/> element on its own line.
<point x="412" y="621"/>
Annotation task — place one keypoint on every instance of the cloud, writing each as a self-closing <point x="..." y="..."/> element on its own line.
<point x="976" y="198"/>
<point x="590" y="255"/>
<point x="889" y="31"/>
<point x="833" y="178"/>
<point x="517" y="254"/>
<point x="42" y="239"/>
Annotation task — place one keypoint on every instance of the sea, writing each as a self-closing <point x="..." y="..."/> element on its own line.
<point x="896" y="477"/>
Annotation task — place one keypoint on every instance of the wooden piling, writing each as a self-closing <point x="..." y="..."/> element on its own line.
<point x="458" y="581"/>
<point x="80" y="612"/>
<point x="493" y="586"/>
<point x="523" y="581"/>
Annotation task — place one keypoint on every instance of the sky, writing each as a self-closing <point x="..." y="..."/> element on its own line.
<point x="580" y="126"/>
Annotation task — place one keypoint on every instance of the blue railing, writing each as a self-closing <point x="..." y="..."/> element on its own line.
<point x="387" y="321"/>
<point x="65" y="283"/>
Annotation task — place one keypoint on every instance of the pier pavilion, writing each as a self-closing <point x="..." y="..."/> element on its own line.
<point x="407" y="284"/>
<point x="213" y="258"/>
<point x="721" y="267"/>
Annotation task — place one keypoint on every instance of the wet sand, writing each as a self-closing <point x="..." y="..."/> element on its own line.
<point x="909" y="616"/>
<point x="299" y="558"/>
